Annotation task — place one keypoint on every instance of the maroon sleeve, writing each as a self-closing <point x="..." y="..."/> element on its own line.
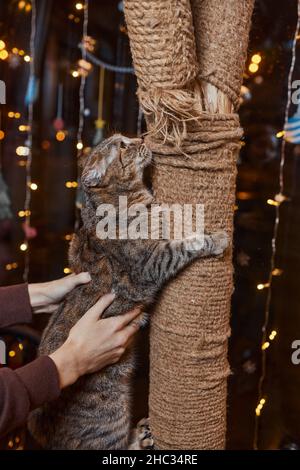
<point x="25" y="389"/>
<point x="15" y="305"/>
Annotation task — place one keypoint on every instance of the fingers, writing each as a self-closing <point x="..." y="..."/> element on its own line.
<point x="94" y="313"/>
<point x="122" y="321"/>
<point x="75" y="280"/>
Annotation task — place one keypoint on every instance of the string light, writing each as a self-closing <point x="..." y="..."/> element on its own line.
<point x="263" y="286"/>
<point x="2" y="45"/>
<point x="11" y="266"/>
<point x="22" y="151"/>
<point x="12" y="353"/>
<point x="2" y="135"/>
<point x="271" y="202"/>
<point x="256" y="58"/>
<point x="60" y="136"/>
<point x="71" y="184"/>
<point x="272" y="335"/>
<point x="23" y="128"/>
<point x="67" y="270"/>
<point x="75" y="73"/>
<point x="33" y="186"/>
<point x="68" y="237"/>
<point x="27" y="58"/>
<point x="253" y="68"/>
<point x="24" y="213"/>
<point x="24" y="246"/>
<point x="79" y="6"/>
<point x="260" y="406"/>
<point x="3" y="54"/>
<point x="275" y="237"/>
<point x="11" y="115"/>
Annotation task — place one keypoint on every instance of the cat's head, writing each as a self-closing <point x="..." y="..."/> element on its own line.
<point x="115" y="168"/>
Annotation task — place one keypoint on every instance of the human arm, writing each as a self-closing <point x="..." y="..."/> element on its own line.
<point x="91" y="345"/>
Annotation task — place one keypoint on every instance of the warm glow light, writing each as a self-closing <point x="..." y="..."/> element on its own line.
<point x="23" y="247"/>
<point x="280" y="134"/>
<point x="75" y="74"/>
<point x="12" y="353"/>
<point x="15" y="50"/>
<point x="60" y="136"/>
<point x="277" y="272"/>
<point x="67" y="270"/>
<point x="11" y="114"/>
<point x="27" y="58"/>
<point x="256" y="58"/>
<point x="2" y="134"/>
<point x="79" y="145"/>
<point x="265" y="345"/>
<point x="3" y="54"/>
<point x="24" y="213"/>
<point x="68" y="237"/>
<point x="28" y="7"/>
<point x="33" y="186"/>
<point x="79" y="6"/>
<point x="11" y="266"/>
<point x="262" y="286"/>
<point x="2" y="45"/>
<point x="24" y="128"/>
<point x="17" y="115"/>
<point x="253" y="68"/>
<point x="22" y="151"/>
<point x="71" y="184"/>
<point x="271" y="202"/>
<point x="21" y="52"/>
<point x="272" y="335"/>
<point x="21" y="4"/>
<point x="21" y="347"/>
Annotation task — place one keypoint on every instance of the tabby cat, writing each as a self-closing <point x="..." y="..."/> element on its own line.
<point x="95" y="412"/>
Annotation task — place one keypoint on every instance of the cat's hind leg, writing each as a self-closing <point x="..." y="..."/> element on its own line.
<point x="141" y="436"/>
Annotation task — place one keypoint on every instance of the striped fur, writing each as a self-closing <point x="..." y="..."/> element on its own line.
<point x="95" y="413"/>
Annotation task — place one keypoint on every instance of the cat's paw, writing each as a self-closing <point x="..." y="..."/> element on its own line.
<point x="220" y="242"/>
<point x="142" y="438"/>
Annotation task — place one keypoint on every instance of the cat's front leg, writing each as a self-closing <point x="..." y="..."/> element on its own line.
<point x="170" y="257"/>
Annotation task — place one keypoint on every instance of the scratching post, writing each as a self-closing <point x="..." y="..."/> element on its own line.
<point x="190" y="326"/>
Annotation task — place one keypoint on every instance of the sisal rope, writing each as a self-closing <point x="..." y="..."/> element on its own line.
<point x="195" y="141"/>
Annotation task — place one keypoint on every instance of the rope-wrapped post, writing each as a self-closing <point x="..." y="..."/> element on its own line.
<point x="190" y="326"/>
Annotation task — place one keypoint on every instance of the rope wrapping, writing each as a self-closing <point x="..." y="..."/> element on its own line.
<point x="190" y="327"/>
<point x="195" y="152"/>
<point x="164" y="55"/>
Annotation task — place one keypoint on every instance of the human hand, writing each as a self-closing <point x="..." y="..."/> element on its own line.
<point x="94" y="343"/>
<point x="46" y="296"/>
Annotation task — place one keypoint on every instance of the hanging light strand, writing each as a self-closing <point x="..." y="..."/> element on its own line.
<point x="79" y="143"/>
<point x="261" y="399"/>
<point x="29" y="139"/>
<point x="82" y="82"/>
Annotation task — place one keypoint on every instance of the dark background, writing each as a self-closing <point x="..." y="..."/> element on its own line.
<point x="53" y="204"/>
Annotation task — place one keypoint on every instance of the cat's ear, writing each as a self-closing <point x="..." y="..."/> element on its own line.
<point x="144" y="156"/>
<point x="97" y="164"/>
